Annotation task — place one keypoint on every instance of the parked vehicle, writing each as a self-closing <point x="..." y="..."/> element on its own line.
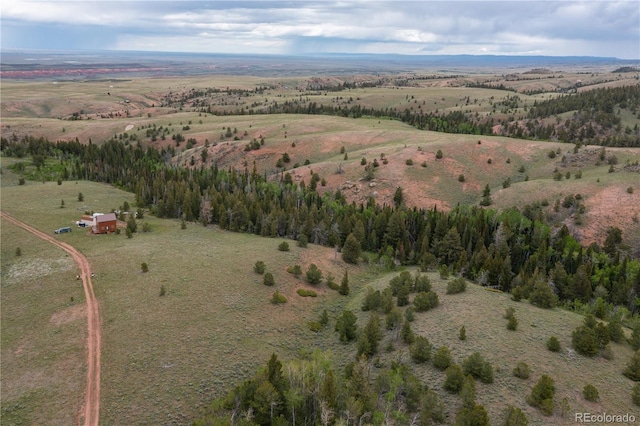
<point x="63" y="230"/>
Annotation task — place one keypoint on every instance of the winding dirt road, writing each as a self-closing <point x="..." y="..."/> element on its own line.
<point x="92" y="400"/>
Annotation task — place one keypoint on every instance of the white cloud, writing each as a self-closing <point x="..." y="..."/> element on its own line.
<point x="597" y="28"/>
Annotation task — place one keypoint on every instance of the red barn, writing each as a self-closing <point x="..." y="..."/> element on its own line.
<point x="105" y="223"/>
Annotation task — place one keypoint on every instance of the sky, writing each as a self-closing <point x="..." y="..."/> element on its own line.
<point x="605" y="28"/>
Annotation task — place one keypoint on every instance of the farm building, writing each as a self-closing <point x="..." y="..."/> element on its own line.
<point x="105" y="223"/>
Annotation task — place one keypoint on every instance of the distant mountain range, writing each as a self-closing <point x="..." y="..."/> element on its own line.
<point x="46" y="64"/>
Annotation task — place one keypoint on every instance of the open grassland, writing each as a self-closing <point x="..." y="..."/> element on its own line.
<point x="165" y="356"/>
<point x="43" y="328"/>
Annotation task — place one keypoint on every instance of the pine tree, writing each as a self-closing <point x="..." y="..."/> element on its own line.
<point x="542" y="395"/>
<point x="351" y="249"/>
<point x="346" y="326"/>
<point x="454" y="378"/>
<point x="370" y="336"/>
<point x="344" y="285"/>
<point x="632" y="370"/>
<point x="406" y="333"/>
<point x="442" y="358"/>
<point x="420" y="350"/>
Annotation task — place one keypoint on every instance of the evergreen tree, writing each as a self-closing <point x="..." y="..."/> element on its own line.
<point x="514" y="416"/>
<point x="420" y="350"/>
<point x="314" y="275"/>
<point x="344" y="285"/>
<point x="370" y="336"/>
<point x="476" y="365"/>
<point x="462" y="335"/>
<point x="634" y="340"/>
<point x="542" y="395"/>
<point x="454" y="378"/>
<point x="406" y="334"/>
<point x="468" y="392"/>
<point x="553" y="344"/>
<point x="346" y="326"/>
<point x="351" y="249"/>
<point x="635" y="395"/>
<point x="632" y="370"/>
<point x="442" y="358"/>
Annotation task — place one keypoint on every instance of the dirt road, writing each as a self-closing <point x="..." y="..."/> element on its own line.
<point x="92" y="400"/>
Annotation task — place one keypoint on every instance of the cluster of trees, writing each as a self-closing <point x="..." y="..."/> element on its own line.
<point x="513" y="249"/>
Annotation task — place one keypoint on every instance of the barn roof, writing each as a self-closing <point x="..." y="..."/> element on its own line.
<point x="109" y="217"/>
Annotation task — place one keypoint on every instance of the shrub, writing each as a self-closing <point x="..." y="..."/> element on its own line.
<point x="278" y="298"/>
<point x="344" y="285"/>
<point x="423" y="164"/>
<point x="314" y="275"/>
<point x="420" y="350"/>
<point x="454" y="379"/>
<point x="283" y="246"/>
<point x="18" y="251"/>
<point x="590" y="393"/>
<point x="425" y="301"/>
<point x="80" y="196"/>
<point x="144" y="267"/>
<point x="551" y="154"/>
<point x="583" y="340"/>
<point x="630" y="190"/>
<point x="163" y="290"/>
<point x="306" y="293"/>
<point x="442" y="358"/>
<point x="522" y="370"/>
<point x="268" y="279"/>
<point x="431" y="408"/>
<point x="439" y="154"/>
<point x="456" y="286"/>
<point x="363" y="161"/>
<point x="259" y="267"/>
<point x="406" y="333"/>
<point x="512" y="324"/>
<point x="444" y="272"/>
<point x="460" y="178"/>
<point x="553" y="344"/>
<point x="315" y="326"/>
<point x="632" y="370"/>
<point x="303" y="241"/>
<point x="146" y="227"/>
<point x="346" y="326"/>
<point x="462" y="335"/>
<point x="351" y="249"/>
<point x="475" y="365"/>
<point x="514" y="416"/>
<point x="542" y="395"/>
<point x="635" y="395"/>
<point x="409" y="162"/>
<point x="295" y="270"/>
<point x="543" y="296"/>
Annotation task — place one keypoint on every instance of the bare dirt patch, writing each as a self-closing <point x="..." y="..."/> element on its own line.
<point x="67" y="315"/>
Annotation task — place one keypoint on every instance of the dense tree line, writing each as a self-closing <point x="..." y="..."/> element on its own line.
<point x="513" y="250"/>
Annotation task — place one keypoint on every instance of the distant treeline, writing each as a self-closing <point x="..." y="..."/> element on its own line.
<point x="506" y="250"/>
<point x="595" y="120"/>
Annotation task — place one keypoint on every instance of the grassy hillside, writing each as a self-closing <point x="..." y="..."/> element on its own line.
<point x="165" y="357"/>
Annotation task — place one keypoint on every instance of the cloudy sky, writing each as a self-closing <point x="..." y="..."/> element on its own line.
<point x="556" y="28"/>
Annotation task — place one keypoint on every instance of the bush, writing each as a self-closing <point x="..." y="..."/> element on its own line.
<point x="632" y="370"/>
<point x="456" y="286"/>
<point x="346" y="326"/>
<point x="420" y="350"/>
<point x="590" y="393"/>
<point x="462" y="335"/>
<point x="303" y="241"/>
<point x="406" y="333"/>
<point x="514" y="416"/>
<point x="283" y="246"/>
<point x="315" y="326"/>
<point x="425" y="300"/>
<point x="583" y="340"/>
<point x="439" y="154"/>
<point x="306" y="293"/>
<point x="268" y="279"/>
<point x="454" y="379"/>
<point x="553" y="344"/>
<point x="314" y="275"/>
<point x="163" y="290"/>
<point x="295" y="270"/>
<point x="259" y="267"/>
<point x="144" y="267"/>
<point x="512" y="324"/>
<point x="475" y="365"/>
<point x="351" y="250"/>
<point x="542" y="395"/>
<point x="444" y="272"/>
<point x="635" y="395"/>
<point x="80" y="196"/>
<point x="18" y="251"/>
<point x="409" y="162"/>
<point x="442" y="358"/>
<point x="543" y="296"/>
<point x="278" y="298"/>
<point x="461" y="178"/>
<point x="522" y="370"/>
<point x="146" y="227"/>
<point x="630" y="190"/>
